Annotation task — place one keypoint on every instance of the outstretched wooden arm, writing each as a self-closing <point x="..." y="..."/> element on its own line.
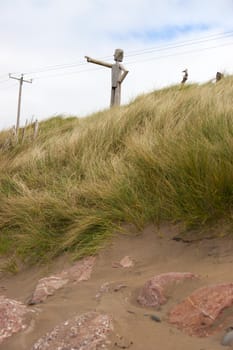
<point x="101" y="63"/>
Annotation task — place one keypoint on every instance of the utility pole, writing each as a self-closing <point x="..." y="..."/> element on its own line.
<point x="21" y="81"/>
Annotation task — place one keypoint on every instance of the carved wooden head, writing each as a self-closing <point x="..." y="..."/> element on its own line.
<point x="219" y="76"/>
<point x="118" y="55"/>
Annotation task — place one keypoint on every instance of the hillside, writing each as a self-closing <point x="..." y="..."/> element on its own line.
<point x="165" y="157"/>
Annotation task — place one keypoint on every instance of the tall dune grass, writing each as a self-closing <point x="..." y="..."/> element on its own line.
<point x="168" y="156"/>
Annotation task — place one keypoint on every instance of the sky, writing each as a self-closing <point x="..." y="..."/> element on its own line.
<point x="46" y="40"/>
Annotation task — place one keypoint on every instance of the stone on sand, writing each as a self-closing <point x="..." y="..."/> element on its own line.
<point x="89" y="331"/>
<point x="81" y="271"/>
<point x="153" y="292"/>
<point x="12" y="317"/>
<point x="126" y="262"/>
<point x="197" y="314"/>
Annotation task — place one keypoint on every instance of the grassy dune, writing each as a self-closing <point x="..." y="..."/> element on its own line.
<point x="167" y="156"/>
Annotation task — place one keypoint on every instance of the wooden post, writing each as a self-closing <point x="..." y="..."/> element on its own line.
<point x="14" y="134"/>
<point x="118" y="75"/>
<point x="36" y="127"/>
<point x="19" y="102"/>
<point x="24" y="131"/>
<point x="21" y="81"/>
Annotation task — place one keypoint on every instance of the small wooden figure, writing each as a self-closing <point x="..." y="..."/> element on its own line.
<point x="219" y="76"/>
<point x="118" y="75"/>
<point x="185" y="77"/>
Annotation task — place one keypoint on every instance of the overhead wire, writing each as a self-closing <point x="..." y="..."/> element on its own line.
<point x="6" y="87"/>
<point x="60" y="66"/>
<point x="133" y="53"/>
<point x="136" y="52"/>
<point x="140" y="61"/>
<point x="184" y="42"/>
<point x="70" y="73"/>
<point x="4" y="80"/>
<point x="175" y="46"/>
<point x="181" y="53"/>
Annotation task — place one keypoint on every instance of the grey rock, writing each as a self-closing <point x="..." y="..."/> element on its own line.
<point x="227" y="339"/>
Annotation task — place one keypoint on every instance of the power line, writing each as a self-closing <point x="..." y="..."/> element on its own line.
<point x="3" y="81"/>
<point x="135" y="62"/>
<point x="70" y="73"/>
<point x="8" y="86"/>
<point x="55" y="67"/>
<point x="138" y="52"/>
<point x="181" y="43"/>
<point x="182" y="53"/>
<point x="171" y="47"/>
<point x="148" y="59"/>
<point x="168" y="47"/>
<point x="60" y="66"/>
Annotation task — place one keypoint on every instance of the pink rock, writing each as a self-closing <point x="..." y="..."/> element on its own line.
<point x="81" y="271"/>
<point x="105" y="288"/>
<point x="12" y="320"/>
<point x="196" y="315"/>
<point x="125" y="262"/>
<point x="153" y="292"/>
<point x="45" y="287"/>
<point x="109" y="287"/>
<point x="89" y="331"/>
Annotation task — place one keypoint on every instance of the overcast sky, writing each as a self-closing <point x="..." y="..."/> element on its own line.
<point x="48" y="39"/>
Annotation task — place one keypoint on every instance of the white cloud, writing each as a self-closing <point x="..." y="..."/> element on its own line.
<point x="38" y="33"/>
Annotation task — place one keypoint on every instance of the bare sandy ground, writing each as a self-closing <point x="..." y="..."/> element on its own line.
<point x="154" y="252"/>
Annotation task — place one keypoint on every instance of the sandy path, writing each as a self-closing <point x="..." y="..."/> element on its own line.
<point x="154" y="252"/>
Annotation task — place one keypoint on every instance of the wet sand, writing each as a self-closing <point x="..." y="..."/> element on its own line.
<point x="154" y="252"/>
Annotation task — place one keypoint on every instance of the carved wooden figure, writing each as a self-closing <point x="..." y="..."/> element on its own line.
<point x="118" y="75"/>
<point x="185" y="77"/>
<point x="219" y="76"/>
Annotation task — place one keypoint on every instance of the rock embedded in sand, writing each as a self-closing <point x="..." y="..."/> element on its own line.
<point x="153" y="292"/>
<point x="126" y="262"/>
<point x="109" y="287"/>
<point x="89" y="331"/>
<point x="81" y="271"/>
<point x="12" y="317"/>
<point x="46" y="287"/>
<point x="197" y="314"/>
<point x="227" y="339"/>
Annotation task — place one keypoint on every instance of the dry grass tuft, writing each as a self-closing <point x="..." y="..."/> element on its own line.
<point x="166" y="156"/>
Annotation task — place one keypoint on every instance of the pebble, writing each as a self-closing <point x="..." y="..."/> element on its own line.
<point x="227" y="339"/>
<point x="154" y="317"/>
